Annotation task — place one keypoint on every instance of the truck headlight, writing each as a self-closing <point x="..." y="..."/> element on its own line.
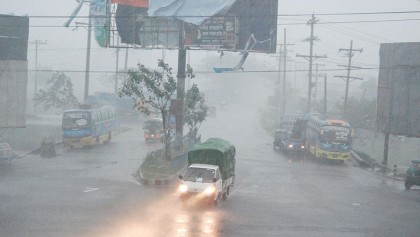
<point x="303" y="147"/>
<point x="183" y="188"/>
<point x="290" y="146"/>
<point x="210" y="190"/>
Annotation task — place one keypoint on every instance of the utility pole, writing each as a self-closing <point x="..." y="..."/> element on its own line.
<point x="285" y="59"/>
<point x="310" y="58"/>
<point x="325" y="93"/>
<point x="182" y="60"/>
<point x="116" y="67"/>
<point x="126" y="60"/>
<point x="350" y="54"/>
<point x="316" y="79"/>
<point x="87" y="70"/>
<point x="37" y="43"/>
<point x="281" y="83"/>
<point x="284" y="71"/>
<point x="316" y="82"/>
<point x="189" y="79"/>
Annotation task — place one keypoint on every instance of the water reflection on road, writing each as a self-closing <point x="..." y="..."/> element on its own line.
<point x="167" y="216"/>
<point x="189" y="223"/>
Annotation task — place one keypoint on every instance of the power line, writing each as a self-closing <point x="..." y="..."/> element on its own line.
<point x="212" y="72"/>
<point x="279" y="15"/>
<point x="279" y="24"/>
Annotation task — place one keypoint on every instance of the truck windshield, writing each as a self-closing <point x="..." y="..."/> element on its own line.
<point x="200" y="175"/>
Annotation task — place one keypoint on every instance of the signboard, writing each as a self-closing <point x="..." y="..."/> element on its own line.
<point x="136" y="28"/>
<point x="13" y="83"/>
<point x="101" y="21"/>
<point x="230" y="25"/>
<point x="214" y="33"/>
<point x="398" y="110"/>
<point x="257" y="18"/>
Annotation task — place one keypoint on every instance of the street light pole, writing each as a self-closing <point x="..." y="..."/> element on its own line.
<point x="87" y="70"/>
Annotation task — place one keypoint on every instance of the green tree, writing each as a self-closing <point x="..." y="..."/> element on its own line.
<point x="152" y="90"/>
<point x="59" y="93"/>
<point x="195" y="109"/>
<point x="361" y="112"/>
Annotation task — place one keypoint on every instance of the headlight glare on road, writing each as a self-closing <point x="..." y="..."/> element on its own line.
<point x="210" y="190"/>
<point x="183" y="188"/>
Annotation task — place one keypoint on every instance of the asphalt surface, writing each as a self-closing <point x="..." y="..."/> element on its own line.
<point x="91" y="192"/>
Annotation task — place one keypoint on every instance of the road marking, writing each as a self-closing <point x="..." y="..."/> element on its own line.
<point x="87" y="189"/>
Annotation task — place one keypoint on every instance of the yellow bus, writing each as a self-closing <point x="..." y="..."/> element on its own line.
<point x="328" y="139"/>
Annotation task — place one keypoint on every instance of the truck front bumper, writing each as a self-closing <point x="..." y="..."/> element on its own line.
<point x="197" y="196"/>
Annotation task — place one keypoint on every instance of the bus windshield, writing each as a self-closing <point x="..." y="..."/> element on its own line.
<point x="336" y="134"/>
<point x="153" y="126"/>
<point x="76" y="120"/>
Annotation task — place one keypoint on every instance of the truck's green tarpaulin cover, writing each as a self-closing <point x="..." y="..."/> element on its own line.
<point x="214" y="151"/>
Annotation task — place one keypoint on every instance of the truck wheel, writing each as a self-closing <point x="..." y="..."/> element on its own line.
<point x="108" y="140"/>
<point x="226" y="194"/>
<point x="407" y="185"/>
<point x="217" y="201"/>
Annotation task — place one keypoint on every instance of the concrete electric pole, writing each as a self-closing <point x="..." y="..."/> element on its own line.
<point x="311" y="58"/>
<point x="348" y="78"/>
<point x="117" y="51"/>
<point x="87" y="68"/>
<point x="37" y="43"/>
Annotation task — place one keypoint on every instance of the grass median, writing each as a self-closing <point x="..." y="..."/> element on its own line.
<point x="155" y="167"/>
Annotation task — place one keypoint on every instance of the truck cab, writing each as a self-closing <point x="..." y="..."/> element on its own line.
<point x="211" y="172"/>
<point x="201" y="182"/>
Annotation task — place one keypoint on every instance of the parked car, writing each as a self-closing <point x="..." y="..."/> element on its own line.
<point x="413" y="174"/>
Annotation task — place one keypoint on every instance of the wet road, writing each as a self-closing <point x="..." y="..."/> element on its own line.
<point x="92" y="192"/>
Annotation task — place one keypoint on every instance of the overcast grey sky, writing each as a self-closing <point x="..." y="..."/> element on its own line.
<point x="66" y="47"/>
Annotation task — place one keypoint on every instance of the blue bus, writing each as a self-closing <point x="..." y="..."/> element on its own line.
<point x="89" y="126"/>
<point x="328" y="139"/>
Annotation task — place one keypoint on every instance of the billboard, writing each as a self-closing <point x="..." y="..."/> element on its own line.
<point x="14" y="32"/>
<point x="398" y="106"/>
<point x="208" y="24"/>
<point x="101" y="20"/>
<point x="135" y="27"/>
<point x="13" y="83"/>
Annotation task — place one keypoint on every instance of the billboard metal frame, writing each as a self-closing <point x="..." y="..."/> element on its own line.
<point x="163" y="32"/>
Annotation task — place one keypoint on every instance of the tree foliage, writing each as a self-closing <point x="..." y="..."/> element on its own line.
<point x="195" y="109"/>
<point x="59" y="93"/>
<point x="361" y="112"/>
<point x="151" y="89"/>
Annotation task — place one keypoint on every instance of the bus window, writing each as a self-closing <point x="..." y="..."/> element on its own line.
<point x="76" y="119"/>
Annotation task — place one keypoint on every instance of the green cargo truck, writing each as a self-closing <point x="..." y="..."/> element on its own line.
<point x="210" y="174"/>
